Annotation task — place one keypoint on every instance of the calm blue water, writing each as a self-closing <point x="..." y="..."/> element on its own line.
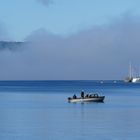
<point x="38" y="110"/>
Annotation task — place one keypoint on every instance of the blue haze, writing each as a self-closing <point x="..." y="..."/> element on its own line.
<point x="38" y="110"/>
<point x="69" y="40"/>
<point x="102" y="52"/>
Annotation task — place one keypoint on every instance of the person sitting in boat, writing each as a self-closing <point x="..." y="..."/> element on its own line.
<point x="82" y="94"/>
<point x="74" y="96"/>
<point x="69" y="98"/>
<point x="90" y="96"/>
<point x="87" y="96"/>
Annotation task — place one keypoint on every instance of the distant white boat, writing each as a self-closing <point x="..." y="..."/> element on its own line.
<point x="101" y="82"/>
<point x="131" y="78"/>
<point x="90" y="98"/>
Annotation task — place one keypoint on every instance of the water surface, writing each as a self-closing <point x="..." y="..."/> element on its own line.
<point x="38" y="110"/>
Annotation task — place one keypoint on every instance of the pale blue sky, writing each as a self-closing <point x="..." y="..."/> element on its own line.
<point x="63" y="16"/>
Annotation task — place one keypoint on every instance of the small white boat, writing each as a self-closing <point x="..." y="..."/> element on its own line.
<point x="132" y="78"/>
<point x="90" y="98"/>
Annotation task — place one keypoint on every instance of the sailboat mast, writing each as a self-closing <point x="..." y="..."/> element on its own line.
<point x="130" y="70"/>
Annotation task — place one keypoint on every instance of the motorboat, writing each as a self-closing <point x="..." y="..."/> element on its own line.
<point x="88" y="98"/>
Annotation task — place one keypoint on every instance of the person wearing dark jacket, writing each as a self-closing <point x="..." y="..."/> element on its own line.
<point x="74" y="96"/>
<point x="82" y="94"/>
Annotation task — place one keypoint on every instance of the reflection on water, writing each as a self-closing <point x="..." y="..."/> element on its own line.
<point x="50" y="117"/>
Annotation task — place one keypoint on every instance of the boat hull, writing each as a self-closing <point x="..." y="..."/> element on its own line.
<point x="92" y="99"/>
<point x="136" y="80"/>
<point x="133" y="80"/>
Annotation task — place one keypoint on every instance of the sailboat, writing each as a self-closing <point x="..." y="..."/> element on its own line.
<point x="131" y="78"/>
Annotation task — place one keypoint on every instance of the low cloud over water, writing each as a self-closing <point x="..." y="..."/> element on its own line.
<point x="100" y="52"/>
